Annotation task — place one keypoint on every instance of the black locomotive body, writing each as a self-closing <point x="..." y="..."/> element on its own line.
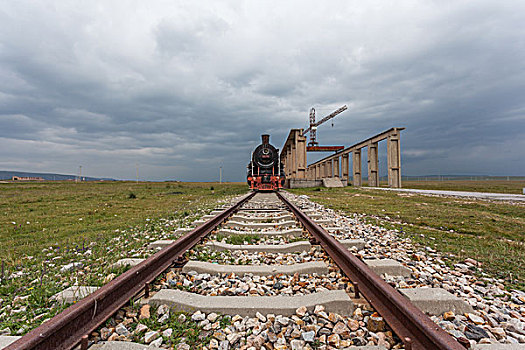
<point x="265" y="171"/>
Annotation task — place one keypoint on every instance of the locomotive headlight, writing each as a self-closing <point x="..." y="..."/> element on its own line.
<point x="265" y="151"/>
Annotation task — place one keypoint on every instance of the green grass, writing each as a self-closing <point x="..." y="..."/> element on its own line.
<point x="201" y="253"/>
<point x="187" y="331"/>
<point x="48" y="235"/>
<point x="34" y="216"/>
<point x="239" y="239"/>
<point x="490" y="232"/>
<point x="495" y="186"/>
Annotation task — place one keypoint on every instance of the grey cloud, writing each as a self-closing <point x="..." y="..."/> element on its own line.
<point x="181" y="88"/>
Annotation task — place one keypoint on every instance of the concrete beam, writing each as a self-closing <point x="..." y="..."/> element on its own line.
<point x="436" y="301"/>
<point x="331" y="182"/>
<point x="260" y="225"/>
<point x="359" y="244"/>
<point x="388" y="266"/>
<point x="241" y="217"/>
<point x="317" y="267"/>
<point x="295" y="247"/>
<point x="160" y="244"/>
<point x="336" y="301"/>
<point x="122" y="345"/>
<point x="73" y="293"/>
<point x="499" y="347"/>
<point x="296" y="232"/>
<point x="127" y="262"/>
<point x="301" y="183"/>
<point x="327" y="221"/>
<point x="5" y="340"/>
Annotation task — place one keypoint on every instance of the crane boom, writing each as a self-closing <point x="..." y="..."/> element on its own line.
<point x="331" y="115"/>
<point x="314" y="125"/>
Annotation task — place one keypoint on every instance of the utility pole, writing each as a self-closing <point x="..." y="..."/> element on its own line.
<point x="137" y="169"/>
<point x="220" y="174"/>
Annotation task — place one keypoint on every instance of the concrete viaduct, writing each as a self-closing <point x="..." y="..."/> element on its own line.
<point x="337" y="165"/>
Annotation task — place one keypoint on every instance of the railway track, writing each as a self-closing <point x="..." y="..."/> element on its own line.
<point x="295" y="286"/>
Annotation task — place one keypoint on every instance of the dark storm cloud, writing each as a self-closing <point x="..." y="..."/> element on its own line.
<point x="180" y="89"/>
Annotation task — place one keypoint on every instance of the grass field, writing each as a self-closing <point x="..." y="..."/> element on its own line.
<point x="490" y="232"/>
<point x="45" y="227"/>
<point x="57" y="234"/>
<point x="34" y="216"/>
<point x="496" y="186"/>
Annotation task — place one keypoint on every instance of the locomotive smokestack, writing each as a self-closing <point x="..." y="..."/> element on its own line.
<point x="265" y="139"/>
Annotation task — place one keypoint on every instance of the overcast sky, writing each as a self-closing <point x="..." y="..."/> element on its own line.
<point x="181" y="87"/>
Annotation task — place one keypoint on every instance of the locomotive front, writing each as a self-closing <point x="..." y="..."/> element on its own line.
<point x="265" y="171"/>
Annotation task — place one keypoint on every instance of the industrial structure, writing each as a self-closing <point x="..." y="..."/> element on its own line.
<point x="313" y="145"/>
<point x="337" y="166"/>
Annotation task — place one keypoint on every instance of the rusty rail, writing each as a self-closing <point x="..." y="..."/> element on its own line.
<point x="66" y="330"/>
<point x="416" y="330"/>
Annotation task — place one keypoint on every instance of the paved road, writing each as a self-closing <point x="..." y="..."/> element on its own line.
<point x="481" y="195"/>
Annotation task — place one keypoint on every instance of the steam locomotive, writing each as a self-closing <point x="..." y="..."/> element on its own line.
<point x="265" y="171"/>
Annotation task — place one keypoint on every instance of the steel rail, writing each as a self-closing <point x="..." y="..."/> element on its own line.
<point x="416" y="330"/>
<point x="65" y="330"/>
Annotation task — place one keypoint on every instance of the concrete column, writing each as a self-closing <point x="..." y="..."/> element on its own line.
<point x="285" y="163"/>
<point x="300" y="150"/>
<point x="356" y="167"/>
<point x="344" y="167"/>
<point x="373" y="165"/>
<point x="336" y="167"/>
<point x="394" y="160"/>
<point x="294" y="161"/>
<point x="289" y="165"/>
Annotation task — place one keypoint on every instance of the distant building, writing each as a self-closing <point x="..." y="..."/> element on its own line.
<point x="27" y="178"/>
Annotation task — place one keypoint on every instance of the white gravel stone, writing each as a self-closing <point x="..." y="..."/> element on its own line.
<point x="198" y="316"/>
<point x="150" y="336"/>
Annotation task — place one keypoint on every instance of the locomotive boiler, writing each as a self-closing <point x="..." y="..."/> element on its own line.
<point x="265" y="171"/>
